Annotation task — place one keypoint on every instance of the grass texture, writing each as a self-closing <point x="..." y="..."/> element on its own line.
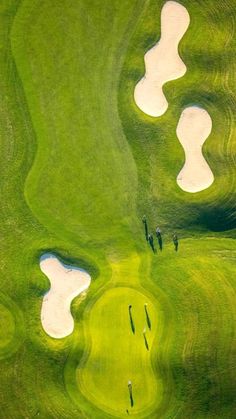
<point x="80" y="166"/>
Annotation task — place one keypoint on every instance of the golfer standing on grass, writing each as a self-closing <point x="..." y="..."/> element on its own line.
<point x="159" y="237"/>
<point x="176" y="242"/>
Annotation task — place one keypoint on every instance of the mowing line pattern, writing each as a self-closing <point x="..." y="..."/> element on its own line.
<point x="80" y="166"/>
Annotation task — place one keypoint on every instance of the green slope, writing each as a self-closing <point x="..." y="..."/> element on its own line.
<point x="207" y="50"/>
<point x="80" y="165"/>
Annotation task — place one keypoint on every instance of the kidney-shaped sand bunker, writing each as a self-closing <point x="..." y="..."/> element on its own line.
<point x="162" y="62"/>
<point x="67" y="282"/>
<point x="194" y="127"/>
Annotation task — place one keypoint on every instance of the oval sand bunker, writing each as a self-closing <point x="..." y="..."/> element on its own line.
<point x="66" y="283"/>
<point x="162" y="62"/>
<point x="194" y="127"/>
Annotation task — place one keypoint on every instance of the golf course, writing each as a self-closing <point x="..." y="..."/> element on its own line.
<point x="118" y="209"/>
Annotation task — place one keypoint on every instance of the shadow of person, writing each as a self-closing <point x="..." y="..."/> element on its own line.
<point x="131" y="320"/>
<point x="131" y="393"/>
<point x="148" y="320"/>
<point x="145" y="341"/>
<point x="144" y="220"/>
<point x="151" y="242"/>
<point x="153" y="249"/>
<point x="160" y="242"/>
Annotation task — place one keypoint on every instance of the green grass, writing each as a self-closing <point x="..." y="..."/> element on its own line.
<point x="80" y="165"/>
<point x="119" y="362"/>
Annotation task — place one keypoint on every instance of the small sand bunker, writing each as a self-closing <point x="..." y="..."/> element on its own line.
<point x="194" y="127"/>
<point x="66" y="283"/>
<point x="162" y="62"/>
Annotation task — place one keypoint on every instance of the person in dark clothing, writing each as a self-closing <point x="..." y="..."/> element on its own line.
<point x="145" y="226"/>
<point x="151" y="242"/>
<point x="176" y="242"/>
<point x="159" y="238"/>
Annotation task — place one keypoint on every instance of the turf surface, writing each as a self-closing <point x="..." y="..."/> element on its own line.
<point x="80" y="165"/>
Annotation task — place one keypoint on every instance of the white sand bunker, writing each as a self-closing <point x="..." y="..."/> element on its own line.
<point x="66" y="283"/>
<point x="162" y="62"/>
<point x="194" y="127"/>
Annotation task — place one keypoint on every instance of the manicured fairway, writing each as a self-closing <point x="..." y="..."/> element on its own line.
<point x="80" y="166"/>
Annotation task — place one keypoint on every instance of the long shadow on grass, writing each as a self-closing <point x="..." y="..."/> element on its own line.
<point x="130" y="393"/>
<point x="145" y="341"/>
<point x="131" y="319"/>
<point x="147" y="317"/>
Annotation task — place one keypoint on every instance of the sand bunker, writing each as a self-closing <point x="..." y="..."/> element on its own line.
<point x="66" y="283"/>
<point x="194" y="127"/>
<point x="162" y="62"/>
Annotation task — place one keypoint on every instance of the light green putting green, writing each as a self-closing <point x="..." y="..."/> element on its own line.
<point x="118" y="353"/>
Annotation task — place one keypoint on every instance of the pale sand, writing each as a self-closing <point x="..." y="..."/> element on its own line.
<point x="162" y="62"/>
<point x="194" y="127"/>
<point x="66" y="283"/>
